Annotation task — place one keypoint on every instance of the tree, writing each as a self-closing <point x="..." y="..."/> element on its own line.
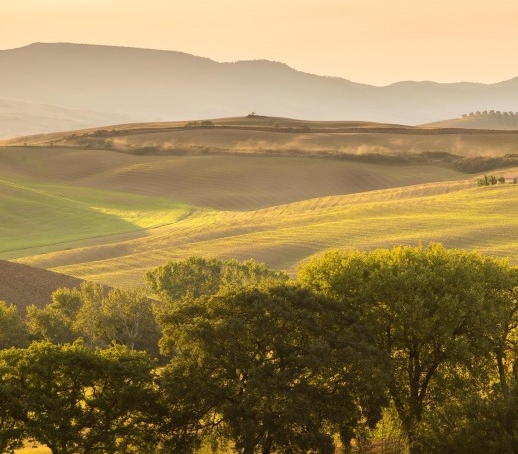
<point x="55" y="322"/>
<point x="197" y="276"/>
<point x="278" y="368"/>
<point x="121" y="406"/>
<point x="88" y="318"/>
<point x="13" y="332"/>
<point x="12" y="431"/>
<point x="476" y="424"/>
<point x="126" y="318"/>
<point x="75" y="400"/>
<point x="99" y="316"/>
<point x="485" y="421"/>
<point x="434" y="311"/>
<point x="488" y="180"/>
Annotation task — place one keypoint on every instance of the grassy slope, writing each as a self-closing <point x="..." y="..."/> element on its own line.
<point x="54" y="217"/>
<point x="283" y="236"/>
<point x="109" y="216"/>
<point x="219" y="182"/>
<point x="41" y="204"/>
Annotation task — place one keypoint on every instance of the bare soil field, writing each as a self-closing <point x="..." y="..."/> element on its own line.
<point x="259" y="134"/>
<point x="23" y="285"/>
<point x="236" y="182"/>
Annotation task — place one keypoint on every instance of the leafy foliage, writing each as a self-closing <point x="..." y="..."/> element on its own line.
<point x="13" y="332"/>
<point x="433" y="310"/>
<point x="197" y="276"/>
<point x="278" y="368"/>
<point x="99" y="316"/>
<point x="75" y="400"/>
<point x="423" y="337"/>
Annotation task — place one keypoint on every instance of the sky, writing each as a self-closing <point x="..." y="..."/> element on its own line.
<point x="376" y="42"/>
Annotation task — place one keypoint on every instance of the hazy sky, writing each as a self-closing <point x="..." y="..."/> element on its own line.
<point x="370" y="41"/>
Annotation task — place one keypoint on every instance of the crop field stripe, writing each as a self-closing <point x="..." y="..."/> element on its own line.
<point x="39" y="191"/>
<point x="458" y="219"/>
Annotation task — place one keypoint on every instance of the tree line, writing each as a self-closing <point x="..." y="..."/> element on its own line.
<point x="235" y="357"/>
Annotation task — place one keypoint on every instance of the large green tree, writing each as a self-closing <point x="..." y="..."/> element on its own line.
<point x="485" y="421"/>
<point x="12" y="430"/>
<point x="75" y="400"/>
<point x="13" y="332"/>
<point x="198" y="276"/>
<point x="99" y="316"/>
<point x="272" y="368"/>
<point x="436" y="313"/>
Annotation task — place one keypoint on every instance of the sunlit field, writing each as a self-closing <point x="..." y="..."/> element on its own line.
<point x="109" y="215"/>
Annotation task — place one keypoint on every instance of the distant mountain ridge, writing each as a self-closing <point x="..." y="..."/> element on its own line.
<point x="130" y="84"/>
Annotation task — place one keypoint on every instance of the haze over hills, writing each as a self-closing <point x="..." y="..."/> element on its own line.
<point x="19" y="118"/>
<point x="128" y="84"/>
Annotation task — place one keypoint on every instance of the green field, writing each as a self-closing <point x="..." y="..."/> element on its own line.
<point x="50" y="216"/>
<point x="108" y="215"/>
<point x="476" y="218"/>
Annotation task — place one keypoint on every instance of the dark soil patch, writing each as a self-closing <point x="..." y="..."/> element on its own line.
<point x="23" y="285"/>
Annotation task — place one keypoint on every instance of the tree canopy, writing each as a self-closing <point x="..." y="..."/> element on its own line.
<point x="197" y="276"/>
<point x="99" y="316"/>
<point x="434" y="311"/>
<point x="279" y="369"/>
<point x="13" y="331"/>
<point x="255" y="362"/>
<point x="75" y="400"/>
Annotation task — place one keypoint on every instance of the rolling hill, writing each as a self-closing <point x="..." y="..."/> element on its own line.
<point x="481" y="120"/>
<point x="261" y="134"/>
<point x="24" y="285"/>
<point x="149" y="85"/>
<point x="274" y="189"/>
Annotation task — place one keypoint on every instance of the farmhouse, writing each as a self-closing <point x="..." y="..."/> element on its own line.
<point x="511" y="178"/>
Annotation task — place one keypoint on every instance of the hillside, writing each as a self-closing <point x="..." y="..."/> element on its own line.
<point x="481" y="120"/>
<point x="469" y="150"/>
<point x="454" y="213"/>
<point x="109" y="216"/>
<point x="24" y="285"/>
<point x="107" y="204"/>
<point x="149" y="85"/>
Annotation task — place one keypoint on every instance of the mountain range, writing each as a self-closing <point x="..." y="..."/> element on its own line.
<point x="47" y="87"/>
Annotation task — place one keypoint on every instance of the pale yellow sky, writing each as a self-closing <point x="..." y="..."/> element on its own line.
<point x="370" y="41"/>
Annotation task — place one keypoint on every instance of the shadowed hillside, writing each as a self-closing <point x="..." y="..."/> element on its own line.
<point x="60" y="177"/>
